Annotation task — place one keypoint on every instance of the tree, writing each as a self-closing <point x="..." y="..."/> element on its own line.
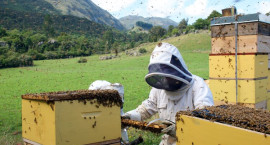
<point x="115" y="48"/>
<point x="108" y="37"/>
<point x="201" y="24"/>
<point x="175" y="32"/>
<point x="156" y="32"/>
<point x="213" y="15"/>
<point x="47" y="25"/>
<point x="3" y="32"/>
<point x="182" y="25"/>
<point x="170" y="29"/>
<point x="267" y="14"/>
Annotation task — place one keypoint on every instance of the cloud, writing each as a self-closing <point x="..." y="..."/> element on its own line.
<point x="164" y="8"/>
<point x="263" y="7"/>
<point x="197" y="8"/>
<point x="113" y="5"/>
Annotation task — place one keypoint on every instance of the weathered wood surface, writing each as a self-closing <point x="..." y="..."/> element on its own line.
<point x="254" y="28"/>
<point x="246" y="44"/>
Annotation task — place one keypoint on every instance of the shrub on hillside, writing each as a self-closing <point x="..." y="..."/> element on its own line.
<point x="82" y="60"/>
<point x="13" y="59"/>
<point x="25" y="60"/>
<point x="142" y="50"/>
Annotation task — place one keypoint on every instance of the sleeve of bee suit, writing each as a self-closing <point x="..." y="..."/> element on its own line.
<point x="149" y="106"/>
<point x="202" y="94"/>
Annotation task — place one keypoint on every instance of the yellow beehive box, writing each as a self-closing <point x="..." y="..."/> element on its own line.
<point x="248" y="66"/>
<point x="197" y="131"/>
<point x="74" y="117"/>
<point x="268" y="60"/>
<point x="268" y="100"/>
<point x="246" y="44"/>
<point x="268" y="86"/>
<point x="249" y="91"/>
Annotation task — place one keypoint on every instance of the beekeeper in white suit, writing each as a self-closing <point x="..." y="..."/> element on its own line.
<point x="174" y="89"/>
<point x="105" y="85"/>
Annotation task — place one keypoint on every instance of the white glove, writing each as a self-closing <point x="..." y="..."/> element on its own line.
<point x="170" y="130"/>
<point x="133" y="115"/>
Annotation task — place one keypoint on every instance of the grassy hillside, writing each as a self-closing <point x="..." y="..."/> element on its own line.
<point x="12" y="19"/>
<point x="33" y="6"/>
<point x="67" y="74"/>
<point x="79" y="8"/>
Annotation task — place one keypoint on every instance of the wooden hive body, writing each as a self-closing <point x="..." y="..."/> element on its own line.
<point x="249" y="66"/>
<point x="76" y="117"/>
<point x="253" y="48"/>
<point x="196" y="131"/>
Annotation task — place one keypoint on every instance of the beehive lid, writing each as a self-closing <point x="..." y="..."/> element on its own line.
<point x="257" y="17"/>
<point x="103" y="96"/>
<point x="235" y="115"/>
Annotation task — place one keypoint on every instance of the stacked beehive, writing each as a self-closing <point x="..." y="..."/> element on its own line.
<point x="253" y="47"/>
<point x="71" y="118"/>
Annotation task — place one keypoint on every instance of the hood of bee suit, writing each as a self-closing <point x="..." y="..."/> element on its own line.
<point x="167" y="69"/>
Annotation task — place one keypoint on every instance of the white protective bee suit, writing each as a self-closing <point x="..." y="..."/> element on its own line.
<point x="174" y="88"/>
<point x="105" y="85"/>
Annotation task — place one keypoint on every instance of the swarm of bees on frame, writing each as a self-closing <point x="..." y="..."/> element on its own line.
<point x="155" y="128"/>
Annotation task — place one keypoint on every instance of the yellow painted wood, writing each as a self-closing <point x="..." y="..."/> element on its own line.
<point x="69" y="122"/>
<point x="268" y="83"/>
<point x="74" y="126"/>
<point x="249" y="66"/>
<point x="249" y="91"/>
<point x="197" y="131"/>
<point x="38" y="122"/>
<point x="268" y="100"/>
<point x="246" y="44"/>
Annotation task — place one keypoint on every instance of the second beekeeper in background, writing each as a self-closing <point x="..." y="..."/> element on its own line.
<point x="174" y="89"/>
<point x="105" y="85"/>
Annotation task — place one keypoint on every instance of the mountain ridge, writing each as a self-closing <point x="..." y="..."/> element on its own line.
<point x="86" y="9"/>
<point x="79" y="8"/>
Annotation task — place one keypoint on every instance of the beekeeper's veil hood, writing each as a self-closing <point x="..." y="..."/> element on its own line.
<point x="167" y="69"/>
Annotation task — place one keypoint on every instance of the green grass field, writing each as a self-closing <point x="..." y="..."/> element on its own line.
<point x="67" y="74"/>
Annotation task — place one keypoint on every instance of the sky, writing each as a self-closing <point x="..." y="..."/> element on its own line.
<point x="179" y="9"/>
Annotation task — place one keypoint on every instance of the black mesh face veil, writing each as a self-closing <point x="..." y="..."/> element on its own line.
<point x="163" y="76"/>
<point x="168" y="70"/>
<point x="166" y="83"/>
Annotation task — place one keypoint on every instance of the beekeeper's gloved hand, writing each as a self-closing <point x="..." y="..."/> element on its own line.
<point x="133" y="115"/>
<point x="170" y="130"/>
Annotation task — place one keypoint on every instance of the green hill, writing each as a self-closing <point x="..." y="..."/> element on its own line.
<point x="11" y="19"/>
<point x="33" y="6"/>
<point x="67" y="74"/>
<point x="79" y="8"/>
